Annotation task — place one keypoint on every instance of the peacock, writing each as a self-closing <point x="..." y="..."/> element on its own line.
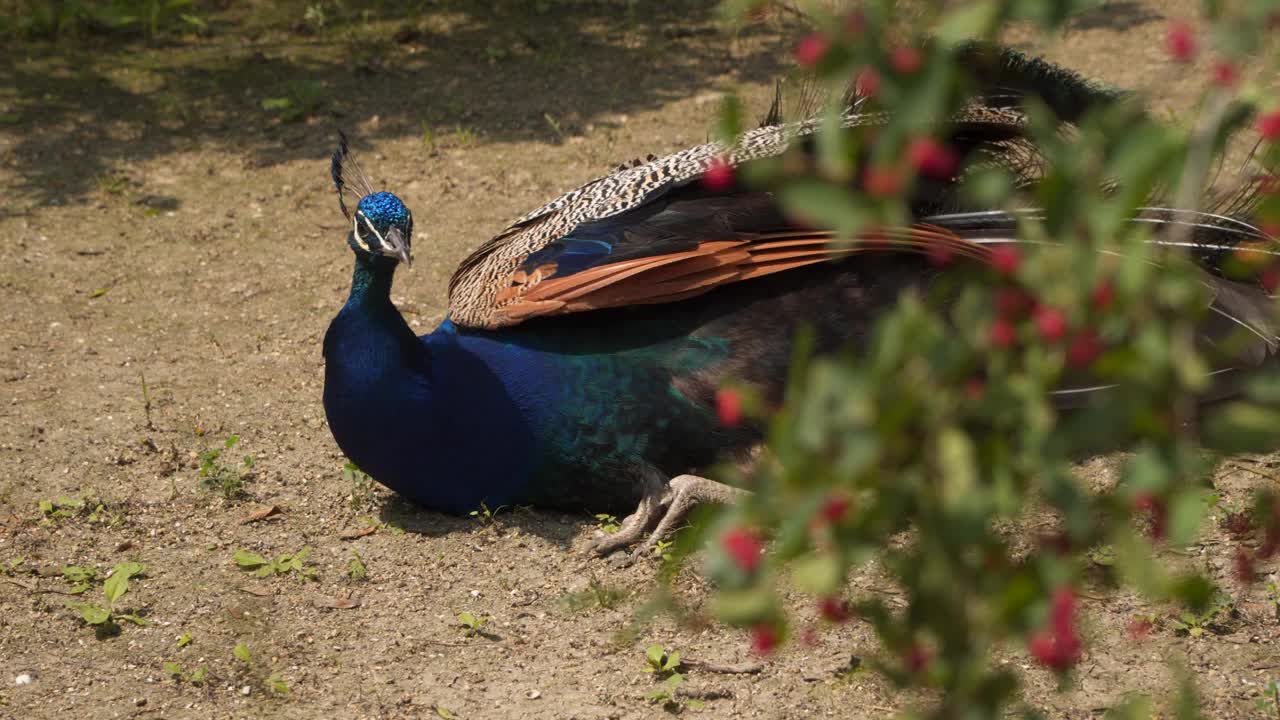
<point x="578" y="365"/>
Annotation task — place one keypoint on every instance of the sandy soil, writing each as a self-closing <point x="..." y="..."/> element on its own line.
<point x="158" y="222"/>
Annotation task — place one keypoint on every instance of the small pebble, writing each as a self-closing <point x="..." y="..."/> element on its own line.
<point x="534" y="694"/>
<point x="23" y="679"/>
<point x="244" y="690"/>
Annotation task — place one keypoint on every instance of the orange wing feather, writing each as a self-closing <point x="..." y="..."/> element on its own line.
<point x="677" y="276"/>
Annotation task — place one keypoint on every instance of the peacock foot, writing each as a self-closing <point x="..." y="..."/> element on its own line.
<point x="662" y="508"/>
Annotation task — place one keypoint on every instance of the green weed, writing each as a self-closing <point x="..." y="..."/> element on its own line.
<point x="273" y="682"/>
<point x="227" y="480"/>
<point x="281" y="565"/>
<point x="362" y="495"/>
<point x="472" y="624"/>
<point x="105" y="619"/>
<point x="608" y="523"/>
<point x="301" y="101"/>
<point x="484" y="515"/>
<point x="597" y="595"/>
<point x="355" y="567"/>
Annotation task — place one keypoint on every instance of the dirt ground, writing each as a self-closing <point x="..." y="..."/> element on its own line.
<point x="170" y="256"/>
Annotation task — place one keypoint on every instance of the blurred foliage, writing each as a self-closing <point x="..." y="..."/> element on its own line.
<point x="923" y="451"/>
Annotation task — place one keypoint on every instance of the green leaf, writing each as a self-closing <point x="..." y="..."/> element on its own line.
<point x="129" y="569"/>
<point x="743" y="607"/>
<point x="93" y="614"/>
<point x="115" y="587"/>
<point x="184" y="640"/>
<point x="275" y="681"/>
<point x="248" y="560"/>
<point x="818" y="573"/>
<point x="971" y="20"/>
<point x="241" y="653"/>
<point x="135" y="619"/>
<point x="956" y="463"/>
<point x="172" y="668"/>
<point x="445" y="713"/>
<point x="1243" y="427"/>
<point x="653" y="654"/>
<point x="197" y="676"/>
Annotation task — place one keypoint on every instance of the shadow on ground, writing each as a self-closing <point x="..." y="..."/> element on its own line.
<point x="453" y="73"/>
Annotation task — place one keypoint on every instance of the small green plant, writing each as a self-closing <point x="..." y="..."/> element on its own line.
<point x="81" y="578"/>
<point x="355" y="567"/>
<point x="1273" y="593"/>
<point x="301" y="101"/>
<point x="227" y="480"/>
<point x="1269" y="703"/>
<point x="176" y="673"/>
<point x="281" y="565"/>
<point x="1213" y="619"/>
<point x="484" y="515"/>
<point x="660" y="662"/>
<point x="273" y="682"/>
<point x="596" y="595"/>
<point x="113" y="183"/>
<point x="315" y="17"/>
<point x="105" y="619"/>
<point x="184" y="640"/>
<point x="472" y="624"/>
<point x="662" y="550"/>
<point x="664" y="665"/>
<point x="428" y="137"/>
<point x="464" y="137"/>
<point x="8" y="569"/>
<point x="608" y="523"/>
<point x="87" y="507"/>
<point x="362" y="495"/>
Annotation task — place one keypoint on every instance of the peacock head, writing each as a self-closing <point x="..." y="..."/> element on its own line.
<point x="381" y="224"/>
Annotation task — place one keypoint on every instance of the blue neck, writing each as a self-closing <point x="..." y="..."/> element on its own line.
<point x="371" y="281"/>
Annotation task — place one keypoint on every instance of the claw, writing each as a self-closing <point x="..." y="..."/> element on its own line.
<point x="662" y="508"/>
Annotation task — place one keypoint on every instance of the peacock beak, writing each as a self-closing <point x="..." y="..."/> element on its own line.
<point x="397" y="246"/>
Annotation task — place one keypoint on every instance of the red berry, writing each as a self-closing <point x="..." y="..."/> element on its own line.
<point x="728" y="407"/>
<point x="1003" y="333"/>
<point x="1062" y="612"/>
<point x="1012" y="302"/>
<point x="1269" y="125"/>
<point x="1084" y="349"/>
<point x="906" y="60"/>
<point x="1150" y="503"/>
<point x="1270" y="280"/>
<point x="882" y="182"/>
<point x="811" y="49"/>
<point x="1180" y="41"/>
<point x="743" y="546"/>
<point x="834" y="609"/>
<point x="867" y="83"/>
<point x="718" y="176"/>
<point x="1051" y="323"/>
<point x="1005" y="259"/>
<point x="1055" y="652"/>
<point x="932" y="158"/>
<point x="917" y="658"/>
<point x="1226" y="74"/>
<point x="764" y="639"/>
<point x="1103" y="295"/>
<point x="834" y="508"/>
